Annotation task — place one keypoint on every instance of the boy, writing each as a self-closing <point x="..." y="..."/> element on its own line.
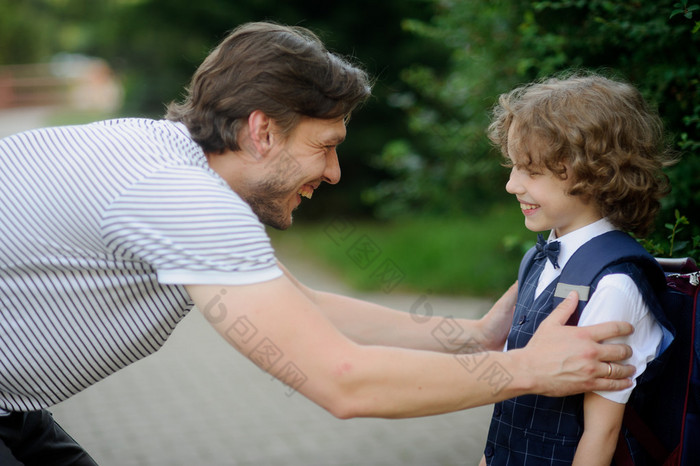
<point x="586" y="154"/>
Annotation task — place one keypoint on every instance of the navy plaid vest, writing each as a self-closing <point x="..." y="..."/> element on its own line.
<point x="533" y="429"/>
<point x="536" y="429"/>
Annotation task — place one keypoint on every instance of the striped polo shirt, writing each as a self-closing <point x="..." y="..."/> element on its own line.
<point x="101" y="225"/>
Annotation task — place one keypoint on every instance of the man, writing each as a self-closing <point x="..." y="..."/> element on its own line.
<point x="112" y="231"/>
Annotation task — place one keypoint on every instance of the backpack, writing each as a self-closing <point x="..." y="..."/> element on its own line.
<point x="661" y="425"/>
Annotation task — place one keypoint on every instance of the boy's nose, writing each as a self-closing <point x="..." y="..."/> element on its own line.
<point x="512" y="186"/>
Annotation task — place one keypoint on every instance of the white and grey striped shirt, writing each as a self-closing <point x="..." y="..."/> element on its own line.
<point x="100" y="226"/>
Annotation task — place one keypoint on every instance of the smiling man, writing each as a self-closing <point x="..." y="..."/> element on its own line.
<point x="112" y="231"/>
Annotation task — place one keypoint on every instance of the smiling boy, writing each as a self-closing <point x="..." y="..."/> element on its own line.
<point x="585" y="154"/>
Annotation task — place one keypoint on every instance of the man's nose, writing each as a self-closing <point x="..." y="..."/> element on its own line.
<point x="331" y="174"/>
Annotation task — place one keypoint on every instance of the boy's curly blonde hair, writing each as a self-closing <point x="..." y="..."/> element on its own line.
<point x="609" y="137"/>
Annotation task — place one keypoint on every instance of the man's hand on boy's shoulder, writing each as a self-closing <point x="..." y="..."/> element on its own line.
<point x="566" y="360"/>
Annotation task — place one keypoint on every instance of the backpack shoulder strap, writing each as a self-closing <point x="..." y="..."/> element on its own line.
<point x="585" y="266"/>
<point x="525" y="265"/>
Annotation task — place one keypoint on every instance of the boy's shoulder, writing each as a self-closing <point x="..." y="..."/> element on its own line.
<point x="610" y="249"/>
<point x="611" y="252"/>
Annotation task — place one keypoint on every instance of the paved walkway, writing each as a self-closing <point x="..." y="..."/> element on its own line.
<point x="199" y="402"/>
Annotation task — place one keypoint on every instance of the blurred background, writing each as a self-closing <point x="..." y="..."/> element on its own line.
<point x="420" y="220"/>
<point x="419" y="177"/>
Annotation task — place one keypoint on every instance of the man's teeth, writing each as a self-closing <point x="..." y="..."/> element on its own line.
<point x="528" y="206"/>
<point x="306" y="191"/>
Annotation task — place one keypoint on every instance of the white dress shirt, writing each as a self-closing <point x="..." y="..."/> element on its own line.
<point x="616" y="298"/>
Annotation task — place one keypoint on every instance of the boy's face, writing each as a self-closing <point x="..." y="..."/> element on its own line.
<point x="543" y="195"/>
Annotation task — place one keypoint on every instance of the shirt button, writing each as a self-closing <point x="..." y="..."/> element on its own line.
<point x="488" y="451"/>
<point x="496" y="411"/>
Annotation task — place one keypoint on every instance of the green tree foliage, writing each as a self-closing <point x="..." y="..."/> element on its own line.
<point x="446" y="166"/>
<point x="21" y="39"/>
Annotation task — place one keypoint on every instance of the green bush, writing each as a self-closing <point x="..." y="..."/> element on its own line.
<point x="445" y="166"/>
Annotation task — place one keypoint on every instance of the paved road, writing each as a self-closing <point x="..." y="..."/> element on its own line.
<point x="198" y="402"/>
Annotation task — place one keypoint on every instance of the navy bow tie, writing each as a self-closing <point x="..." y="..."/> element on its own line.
<point x="549" y="250"/>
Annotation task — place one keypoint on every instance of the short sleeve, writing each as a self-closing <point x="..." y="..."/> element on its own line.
<point x="618" y="298"/>
<point x="191" y="228"/>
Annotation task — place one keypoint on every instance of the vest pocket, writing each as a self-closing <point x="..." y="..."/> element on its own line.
<point x="551" y="438"/>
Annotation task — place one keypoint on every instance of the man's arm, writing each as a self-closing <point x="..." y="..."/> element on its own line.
<point x="372" y="324"/>
<point x="280" y="328"/>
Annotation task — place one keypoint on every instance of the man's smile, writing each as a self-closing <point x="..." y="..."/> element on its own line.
<point x="306" y="191"/>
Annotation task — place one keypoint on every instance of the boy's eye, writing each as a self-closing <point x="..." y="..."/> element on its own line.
<point x="529" y="171"/>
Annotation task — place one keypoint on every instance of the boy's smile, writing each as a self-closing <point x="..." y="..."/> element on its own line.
<point x="527" y="208"/>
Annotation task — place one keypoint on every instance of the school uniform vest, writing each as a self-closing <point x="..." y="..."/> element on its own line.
<point x="536" y="429"/>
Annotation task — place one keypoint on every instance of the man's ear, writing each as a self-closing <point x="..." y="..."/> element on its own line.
<point x="260" y="130"/>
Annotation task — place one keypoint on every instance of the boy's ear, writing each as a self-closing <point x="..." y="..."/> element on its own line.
<point x="260" y="130"/>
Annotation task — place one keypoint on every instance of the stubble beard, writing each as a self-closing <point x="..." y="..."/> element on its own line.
<point x="270" y="198"/>
<point x="269" y="202"/>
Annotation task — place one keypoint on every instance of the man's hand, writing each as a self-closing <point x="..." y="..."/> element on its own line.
<point x="566" y="360"/>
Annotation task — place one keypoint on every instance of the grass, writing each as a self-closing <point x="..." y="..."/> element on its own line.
<point x="456" y="256"/>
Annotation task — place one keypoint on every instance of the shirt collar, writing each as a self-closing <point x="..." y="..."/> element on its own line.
<point x="570" y="242"/>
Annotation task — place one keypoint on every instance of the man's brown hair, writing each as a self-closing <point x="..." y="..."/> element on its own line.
<point x="604" y="130"/>
<point x="286" y="72"/>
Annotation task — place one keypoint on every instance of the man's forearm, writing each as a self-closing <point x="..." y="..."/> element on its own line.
<point x="381" y="385"/>
<point x="287" y="336"/>
<point x="372" y="324"/>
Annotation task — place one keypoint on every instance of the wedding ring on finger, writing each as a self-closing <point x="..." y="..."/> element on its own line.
<point x="610" y="370"/>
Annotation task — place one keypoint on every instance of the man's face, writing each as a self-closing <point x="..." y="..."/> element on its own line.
<point x="294" y="167"/>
